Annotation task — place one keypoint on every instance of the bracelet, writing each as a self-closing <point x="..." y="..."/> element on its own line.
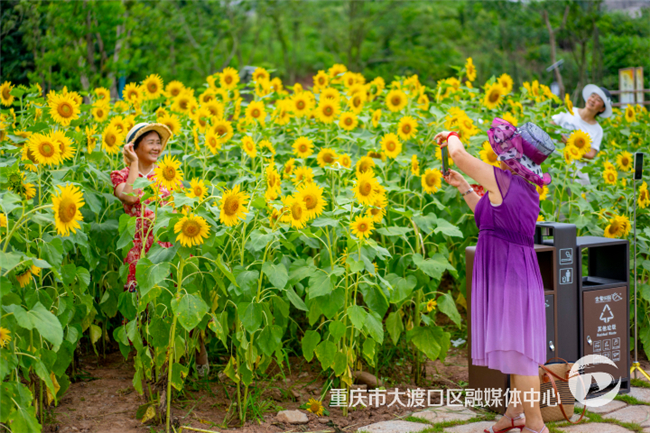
<point x="468" y="191"/>
<point x="452" y="133"/>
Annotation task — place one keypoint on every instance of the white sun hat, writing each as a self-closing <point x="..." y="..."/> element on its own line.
<point x="604" y="95"/>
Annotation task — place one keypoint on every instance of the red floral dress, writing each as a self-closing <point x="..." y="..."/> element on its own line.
<point x="142" y="225"/>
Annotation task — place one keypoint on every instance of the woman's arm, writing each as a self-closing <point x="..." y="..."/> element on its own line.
<point x="455" y="179"/>
<point x="125" y="188"/>
<point x="481" y="172"/>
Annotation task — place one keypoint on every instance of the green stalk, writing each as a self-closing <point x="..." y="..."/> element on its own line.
<point x="170" y="350"/>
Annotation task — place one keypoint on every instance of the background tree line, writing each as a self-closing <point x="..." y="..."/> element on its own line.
<point x="85" y="44"/>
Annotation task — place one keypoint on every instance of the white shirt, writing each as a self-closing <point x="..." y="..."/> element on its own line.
<point x="575" y="121"/>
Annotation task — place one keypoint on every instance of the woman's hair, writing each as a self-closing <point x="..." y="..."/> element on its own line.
<point x="140" y="138"/>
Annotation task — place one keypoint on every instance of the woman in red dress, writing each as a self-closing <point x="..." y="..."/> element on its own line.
<point x="145" y="143"/>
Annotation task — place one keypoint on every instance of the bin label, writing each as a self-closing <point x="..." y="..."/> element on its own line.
<point x="607" y="314"/>
<point x="566" y="256"/>
<point x="566" y="276"/>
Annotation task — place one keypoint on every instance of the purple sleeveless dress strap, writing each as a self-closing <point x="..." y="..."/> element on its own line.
<point x="508" y="308"/>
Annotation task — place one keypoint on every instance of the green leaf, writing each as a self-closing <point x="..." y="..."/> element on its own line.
<point x="357" y="316"/>
<point x="309" y="343"/>
<point x="270" y="339"/>
<point x="355" y="265"/>
<point x="95" y="333"/>
<point x="320" y="284"/>
<point x="296" y="300"/>
<point x="325" y="352"/>
<point x="394" y="231"/>
<point x="226" y="271"/>
<point x="190" y="309"/>
<point x="447" y="228"/>
<point x="149" y="274"/>
<point x="277" y="274"/>
<point x="337" y="330"/>
<point x="433" y="267"/>
<point x="40" y="318"/>
<point x="402" y="287"/>
<point x="325" y="222"/>
<point x="374" y="327"/>
<point x="447" y="305"/>
<point x="426" y="223"/>
<point x="424" y="338"/>
<point x="340" y="363"/>
<point x="252" y="317"/>
<point x="369" y="350"/>
<point x="83" y="276"/>
<point x="394" y="326"/>
<point x="8" y="261"/>
<point x="179" y="372"/>
<point x="52" y="251"/>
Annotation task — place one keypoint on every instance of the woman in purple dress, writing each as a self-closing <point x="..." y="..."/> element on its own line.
<point x="508" y="314"/>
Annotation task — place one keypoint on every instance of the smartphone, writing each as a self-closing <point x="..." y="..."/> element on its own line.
<point x="638" y="166"/>
<point x="445" y="160"/>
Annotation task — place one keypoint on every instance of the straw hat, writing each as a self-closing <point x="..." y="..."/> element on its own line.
<point x="142" y="128"/>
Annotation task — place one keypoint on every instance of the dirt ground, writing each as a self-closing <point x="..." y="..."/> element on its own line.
<point x="107" y="402"/>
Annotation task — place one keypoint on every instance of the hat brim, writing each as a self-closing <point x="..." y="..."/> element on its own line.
<point x="162" y="130"/>
<point x="592" y="88"/>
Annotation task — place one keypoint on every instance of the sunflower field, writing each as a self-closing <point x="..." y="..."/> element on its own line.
<point x="298" y="221"/>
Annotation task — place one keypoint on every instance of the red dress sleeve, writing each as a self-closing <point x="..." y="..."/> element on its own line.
<point x="119" y="176"/>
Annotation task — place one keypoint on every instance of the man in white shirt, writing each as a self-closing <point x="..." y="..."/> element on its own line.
<point x="598" y="103"/>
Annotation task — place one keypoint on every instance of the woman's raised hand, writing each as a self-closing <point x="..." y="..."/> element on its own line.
<point x="454" y="178"/>
<point x="441" y="138"/>
<point x="129" y="154"/>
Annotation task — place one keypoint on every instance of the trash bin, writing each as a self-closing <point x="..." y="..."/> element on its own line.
<point x="587" y="312"/>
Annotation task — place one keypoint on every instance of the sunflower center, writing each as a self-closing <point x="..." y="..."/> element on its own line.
<point x="431" y="181"/>
<point x="614" y="227"/>
<point x="579" y="143"/>
<point x="191" y="228"/>
<point x="362" y="227"/>
<point x="110" y="140"/>
<point x="310" y="201"/>
<point x="231" y="206"/>
<point x="169" y="173"/>
<point x="46" y="149"/>
<point x="390" y="146"/>
<point x="228" y="79"/>
<point x="494" y="96"/>
<point x="212" y="142"/>
<point x="396" y="100"/>
<point x="375" y="211"/>
<point x="67" y="210"/>
<point x="328" y="158"/>
<point x="296" y="211"/>
<point x="625" y="161"/>
<point x="302" y="148"/>
<point x="153" y="87"/>
<point x="65" y="109"/>
<point x="300" y="105"/>
<point x="365" y="188"/>
<point x="255" y="113"/>
<point x="356" y="102"/>
<point x="5" y="93"/>
<point x="100" y="113"/>
<point x="492" y="157"/>
<point x="198" y="191"/>
<point x="175" y="92"/>
<point x="406" y="129"/>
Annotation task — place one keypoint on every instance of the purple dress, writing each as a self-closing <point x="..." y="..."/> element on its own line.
<point x="508" y="308"/>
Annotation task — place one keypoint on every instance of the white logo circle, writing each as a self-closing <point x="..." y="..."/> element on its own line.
<point x="580" y="382"/>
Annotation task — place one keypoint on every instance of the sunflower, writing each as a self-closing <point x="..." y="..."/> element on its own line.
<point x="493" y="96"/>
<point x="273" y="183"/>
<point x="212" y="142"/>
<point x="470" y="69"/>
<point x="168" y="173"/>
<point x="288" y="168"/>
<point x="509" y="117"/>
<point x="581" y="140"/>
<point x="624" y="161"/>
<point x="423" y="102"/>
<point x="100" y="113"/>
<point x="630" y="115"/>
<point x="249" y="146"/>
<point x="378" y="209"/>
<point x="568" y="103"/>
<point x="610" y="176"/>
<point x="505" y="81"/>
<point x="644" y="196"/>
<point x="120" y="124"/>
<point x="261" y="74"/>
<point x="191" y="230"/>
<point x="365" y="164"/>
<point x="233" y="206"/>
<point x="111" y="139"/>
<point x="431" y="180"/>
<point x="90" y="137"/>
<point x="63" y="108"/>
<point x="295" y="212"/>
<point x="301" y="104"/>
<point x="326" y="157"/>
<point x="614" y="229"/>
<point x="391" y="145"/>
<point x="625" y="224"/>
<point x="330" y="94"/>
<point x="415" y="166"/>
<point x="197" y="189"/>
<point x="229" y="78"/>
<point x="345" y="160"/>
<point x="321" y="81"/>
<point x="183" y="103"/>
<point x="65" y="144"/>
<point x="376" y="116"/>
<point x="303" y="175"/>
<point x="5" y="335"/>
<point x="348" y="121"/>
<point x="407" y="127"/>
<point x="315" y="406"/>
<point x="396" y="100"/>
<point x="431" y="305"/>
<point x="487" y="155"/>
<point x="312" y="195"/>
<point x="266" y="144"/>
<point x="6" y="97"/>
<point x="362" y="226"/>
<point x="152" y="86"/>
<point x="327" y="110"/>
<point x="24" y="277"/>
<point x="133" y="93"/>
<point x="103" y="96"/>
<point x="255" y="111"/>
<point x="44" y="149"/>
<point x="3" y="220"/>
<point x="542" y="191"/>
<point x="356" y="101"/>
<point x="202" y="118"/>
<point x="66" y="209"/>
<point x="571" y="153"/>
<point x="174" y="88"/>
<point x="303" y="147"/>
<point x="172" y="122"/>
<point x="365" y="188"/>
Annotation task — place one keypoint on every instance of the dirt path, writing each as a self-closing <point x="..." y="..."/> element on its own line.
<point x="108" y="403"/>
